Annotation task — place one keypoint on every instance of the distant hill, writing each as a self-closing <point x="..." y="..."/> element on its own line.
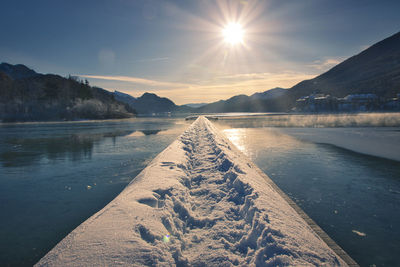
<point x="150" y="103"/>
<point x="258" y="102"/>
<point x="375" y="70"/>
<point x="233" y="104"/>
<point x="195" y="105"/>
<point x="29" y="96"/>
<point x="270" y="94"/>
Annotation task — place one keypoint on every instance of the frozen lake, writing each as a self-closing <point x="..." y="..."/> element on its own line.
<point x="56" y="175"/>
<point x="53" y="176"/>
<point x="353" y="197"/>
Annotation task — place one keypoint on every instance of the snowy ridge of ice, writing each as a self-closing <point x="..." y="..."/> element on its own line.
<point x="198" y="203"/>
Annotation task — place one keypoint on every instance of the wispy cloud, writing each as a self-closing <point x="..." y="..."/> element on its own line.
<point x="153" y="59"/>
<point x="326" y="63"/>
<point x="135" y="80"/>
<point x="221" y="87"/>
<point x="255" y="76"/>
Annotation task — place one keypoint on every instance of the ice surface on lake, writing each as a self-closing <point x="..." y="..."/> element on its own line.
<point x="199" y="202"/>
<point x="381" y="142"/>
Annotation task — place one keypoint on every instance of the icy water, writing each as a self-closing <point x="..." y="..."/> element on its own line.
<point x="53" y="176"/>
<point x="353" y="197"/>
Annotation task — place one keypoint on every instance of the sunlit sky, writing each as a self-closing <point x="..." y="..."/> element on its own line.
<point x="179" y="49"/>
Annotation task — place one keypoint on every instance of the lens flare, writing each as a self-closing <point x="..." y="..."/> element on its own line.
<point x="166" y="238"/>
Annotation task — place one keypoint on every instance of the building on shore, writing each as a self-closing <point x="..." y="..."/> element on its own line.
<point x="349" y="103"/>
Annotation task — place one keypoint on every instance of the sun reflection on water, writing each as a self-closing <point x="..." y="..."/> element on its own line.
<point x="249" y="140"/>
<point x="237" y="137"/>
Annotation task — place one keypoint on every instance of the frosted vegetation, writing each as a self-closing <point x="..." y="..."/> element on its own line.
<point x="90" y="108"/>
<point x="198" y="203"/>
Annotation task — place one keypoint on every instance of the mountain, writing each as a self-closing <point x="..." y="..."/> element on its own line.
<point x="258" y="102"/>
<point x="375" y="70"/>
<point x="29" y="96"/>
<point x="18" y="71"/>
<point x="150" y="103"/>
<point x="270" y="94"/>
<point x="195" y="105"/>
<point x="125" y="98"/>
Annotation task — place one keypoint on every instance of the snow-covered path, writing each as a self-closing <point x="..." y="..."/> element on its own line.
<point x="199" y="203"/>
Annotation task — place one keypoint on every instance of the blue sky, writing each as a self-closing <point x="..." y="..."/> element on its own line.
<point x="176" y="48"/>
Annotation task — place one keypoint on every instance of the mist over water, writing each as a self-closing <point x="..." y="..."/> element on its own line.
<point x="316" y="120"/>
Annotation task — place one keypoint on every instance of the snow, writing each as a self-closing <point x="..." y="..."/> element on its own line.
<point x="200" y="202"/>
<point x="376" y="141"/>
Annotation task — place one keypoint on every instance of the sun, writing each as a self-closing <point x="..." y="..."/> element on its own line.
<point x="233" y="33"/>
